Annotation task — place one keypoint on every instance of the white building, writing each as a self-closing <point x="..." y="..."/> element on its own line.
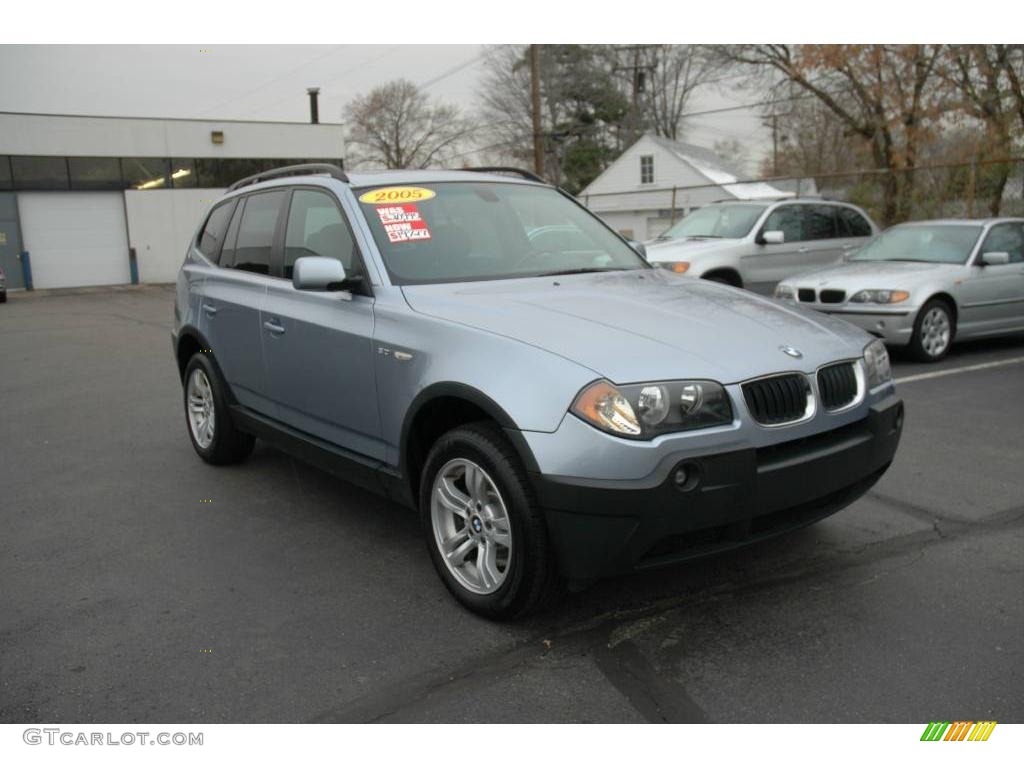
<point x="657" y="181"/>
<point x="79" y="194"/>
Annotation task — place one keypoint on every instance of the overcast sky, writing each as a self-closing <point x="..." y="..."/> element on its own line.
<point x="263" y="82"/>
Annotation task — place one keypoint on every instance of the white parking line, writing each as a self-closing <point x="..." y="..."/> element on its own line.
<point x="964" y="369"/>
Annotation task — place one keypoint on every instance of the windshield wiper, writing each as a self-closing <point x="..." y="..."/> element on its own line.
<point x="578" y="271"/>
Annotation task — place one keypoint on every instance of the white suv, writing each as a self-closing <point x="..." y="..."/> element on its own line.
<point x="756" y="244"/>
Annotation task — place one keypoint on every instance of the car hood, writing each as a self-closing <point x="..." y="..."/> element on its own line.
<point x="645" y="325"/>
<point x="853" y="274"/>
<point x="682" y="250"/>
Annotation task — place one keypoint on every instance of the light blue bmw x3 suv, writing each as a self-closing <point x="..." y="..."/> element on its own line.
<point x="481" y="348"/>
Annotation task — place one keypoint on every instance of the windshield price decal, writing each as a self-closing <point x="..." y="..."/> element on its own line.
<point x="396" y="195"/>
<point x="403" y="223"/>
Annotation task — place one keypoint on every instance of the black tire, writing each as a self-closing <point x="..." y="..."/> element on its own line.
<point x="229" y="445"/>
<point x="920" y="349"/>
<point x="3" y="297"/>
<point x="532" y="579"/>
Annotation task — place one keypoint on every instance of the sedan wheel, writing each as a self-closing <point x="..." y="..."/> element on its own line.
<point x="471" y="526"/>
<point x="933" y="331"/>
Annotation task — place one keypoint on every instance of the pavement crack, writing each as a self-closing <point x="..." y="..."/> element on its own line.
<point x="658" y="698"/>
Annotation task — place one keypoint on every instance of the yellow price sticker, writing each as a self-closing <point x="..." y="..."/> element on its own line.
<point x="386" y="195"/>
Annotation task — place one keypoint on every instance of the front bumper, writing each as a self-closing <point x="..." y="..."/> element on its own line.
<point x="895" y="327"/>
<point x="731" y="499"/>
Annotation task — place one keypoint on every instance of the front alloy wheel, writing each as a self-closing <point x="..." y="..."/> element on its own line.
<point x="471" y="526"/>
<point x="933" y="332"/>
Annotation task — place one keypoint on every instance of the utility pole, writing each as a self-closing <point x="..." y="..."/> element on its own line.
<point x="538" y="136"/>
<point x="638" y="84"/>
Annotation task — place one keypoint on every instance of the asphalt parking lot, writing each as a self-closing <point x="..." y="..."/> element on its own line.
<point x="138" y="584"/>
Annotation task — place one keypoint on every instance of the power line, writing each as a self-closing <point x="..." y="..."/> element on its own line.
<point x="454" y="70"/>
<point x="289" y="73"/>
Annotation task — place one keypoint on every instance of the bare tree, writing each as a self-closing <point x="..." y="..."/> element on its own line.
<point x="676" y="72"/>
<point x="884" y="94"/>
<point x="397" y="126"/>
<point x="985" y="81"/>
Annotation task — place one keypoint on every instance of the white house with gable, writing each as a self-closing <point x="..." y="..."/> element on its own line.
<point x="658" y="180"/>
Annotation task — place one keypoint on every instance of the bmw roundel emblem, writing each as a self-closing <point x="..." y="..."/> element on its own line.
<point x="792" y="351"/>
<point x="477" y="525"/>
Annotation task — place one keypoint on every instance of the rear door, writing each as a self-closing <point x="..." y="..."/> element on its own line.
<point x="854" y="229"/>
<point x="766" y="264"/>
<point x="234" y="293"/>
<point x="319" y="345"/>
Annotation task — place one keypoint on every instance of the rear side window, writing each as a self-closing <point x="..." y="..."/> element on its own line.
<point x="852" y="224"/>
<point x="211" y="239"/>
<point x="820" y="223"/>
<point x="787" y="219"/>
<point x="316" y="228"/>
<point x="256" y="232"/>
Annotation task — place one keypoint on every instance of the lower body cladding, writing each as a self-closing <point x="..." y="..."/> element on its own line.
<point x="716" y="502"/>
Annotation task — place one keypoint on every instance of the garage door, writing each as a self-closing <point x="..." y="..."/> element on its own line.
<point x="75" y="238"/>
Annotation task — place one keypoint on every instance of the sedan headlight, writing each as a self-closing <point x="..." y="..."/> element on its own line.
<point x="785" y="292"/>
<point x="876" y="359"/>
<point x="879" y="296"/>
<point x="642" y="411"/>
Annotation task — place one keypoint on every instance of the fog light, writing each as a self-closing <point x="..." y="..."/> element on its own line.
<point x="686" y="476"/>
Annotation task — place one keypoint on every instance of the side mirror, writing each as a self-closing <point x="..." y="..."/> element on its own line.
<point x="319" y="273"/>
<point x="994" y="258"/>
<point x="772" y="237"/>
<point x="639" y="247"/>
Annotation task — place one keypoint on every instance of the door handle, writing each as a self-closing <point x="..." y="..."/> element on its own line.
<point x="210" y="310"/>
<point x="805" y="249"/>
<point x="274" y="326"/>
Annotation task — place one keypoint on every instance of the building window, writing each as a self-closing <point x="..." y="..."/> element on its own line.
<point x="39" y="172"/>
<point x="183" y="173"/>
<point x="95" y="173"/>
<point x="5" y="172"/>
<point x="145" y="172"/>
<point x="647" y="169"/>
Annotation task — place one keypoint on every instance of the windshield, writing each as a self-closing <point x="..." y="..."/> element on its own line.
<point x="939" y="244"/>
<point x="457" y="231"/>
<point x="716" y="221"/>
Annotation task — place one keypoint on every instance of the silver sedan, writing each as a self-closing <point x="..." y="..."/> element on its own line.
<point x="924" y="284"/>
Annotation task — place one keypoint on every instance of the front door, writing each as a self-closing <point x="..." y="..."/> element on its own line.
<point x="767" y="264"/>
<point x="319" y="345"/>
<point x="992" y="297"/>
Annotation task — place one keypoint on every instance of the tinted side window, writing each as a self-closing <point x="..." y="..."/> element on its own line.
<point x="256" y="231"/>
<point x="789" y="220"/>
<point x="317" y="228"/>
<point x="212" y="237"/>
<point x="227" y="254"/>
<point x="821" y="222"/>
<point x="852" y="224"/>
<point x="1006" y="238"/>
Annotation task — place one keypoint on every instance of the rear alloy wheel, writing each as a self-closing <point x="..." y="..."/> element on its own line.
<point x="933" y="332"/>
<point x="486" y="536"/>
<point x="210" y="427"/>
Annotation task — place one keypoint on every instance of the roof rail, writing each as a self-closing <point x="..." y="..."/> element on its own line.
<point x="305" y="169"/>
<point x="528" y="175"/>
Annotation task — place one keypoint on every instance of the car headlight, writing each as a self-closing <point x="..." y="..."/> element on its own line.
<point x="642" y="411"/>
<point x="876" y="359"/>
<point x="785" y="291"/>
<point x="879" y="296"/>
<point x="679" y="267"/>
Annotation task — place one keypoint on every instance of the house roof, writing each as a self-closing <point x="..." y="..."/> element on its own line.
<point x="716" y="170"/>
